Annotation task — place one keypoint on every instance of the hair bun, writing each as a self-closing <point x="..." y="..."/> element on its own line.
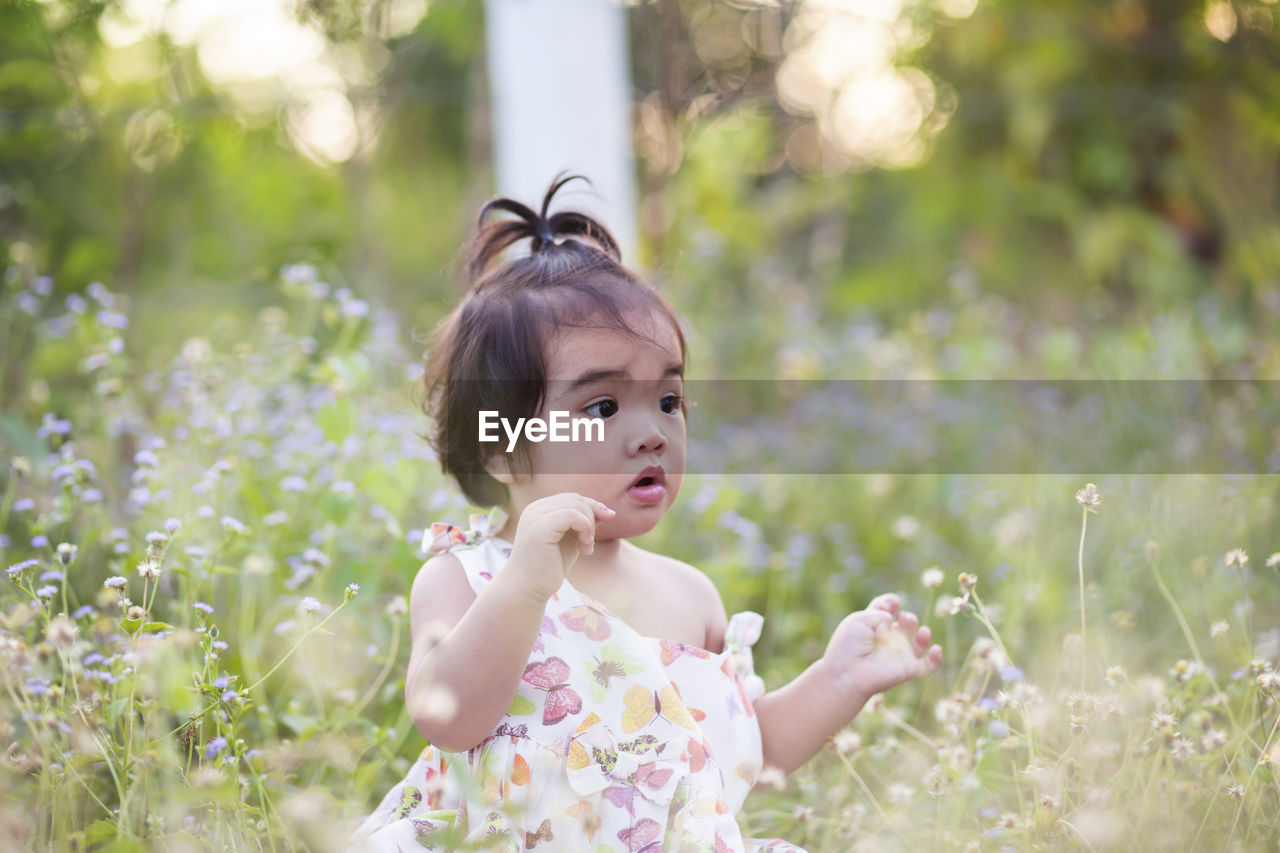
<point x="492" y="238"/>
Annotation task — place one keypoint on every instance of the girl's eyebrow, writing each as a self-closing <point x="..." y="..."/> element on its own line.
<point x="597" y="375"/>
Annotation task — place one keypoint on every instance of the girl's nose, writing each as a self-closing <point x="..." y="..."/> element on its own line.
<point x="648" y="438"/>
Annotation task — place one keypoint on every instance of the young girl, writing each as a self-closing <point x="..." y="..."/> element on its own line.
<point x="579" y="693"/>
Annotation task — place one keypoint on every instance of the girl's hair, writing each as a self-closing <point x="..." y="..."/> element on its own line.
<point x="489" y="354"/>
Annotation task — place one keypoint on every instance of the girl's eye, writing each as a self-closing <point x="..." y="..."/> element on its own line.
<point x="608" y="407"/>
<point x="671" y="403"/>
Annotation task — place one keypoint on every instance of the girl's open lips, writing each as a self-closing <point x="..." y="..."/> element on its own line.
<point x="650" y="486"/>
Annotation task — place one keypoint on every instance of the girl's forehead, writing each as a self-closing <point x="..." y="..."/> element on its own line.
<point x="574" y="347"/>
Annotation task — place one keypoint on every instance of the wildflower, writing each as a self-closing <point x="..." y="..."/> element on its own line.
<point x="772" y="777"/>
<point x="1089" y="498"/>
<point x="275" y="519"/>
<point x="47" y="591"/>
<point x="82" y="611"/>
<point x="24" y="505"/>
<point x="352" y="589"/>
<point x="1218" y="628"/>
<point x="398" y="606"/>
<point x="905" y="527"/>
<point x="205" y="512"/>
<point x="172" y="525"/>
<point x="149" y="569"/>
<point x="40" y="541"/>
<point x="1051" y="801"/>
<point x="1182" y="748"/>
<point x="1269" y="681"/>
<point x="847" y="741"/>
<point x="1236" y="792"/>
<point x="61" y="631"/>
<point x="1011" y="673"/>
<point x="802" y="813"/>
<point x="1215" y="739"/>
<point x="932" y="578"/>
<point x="1078" y="723"/>
<point x="202" y="607"/>
<point x="900" y="794"/>
<point x="967" y="583"/>
<point x="136" y="613"/>
<point x="16" y="570"/>
<point x="1235" y="557"/>
<point x="234" y="525"/>
<point x="155" y="537"/>
<point x="1115" y="675"/>
<point x="1273" y="560"/>
<point x="1185" y="670"/>
<point x="115" y="582"/>
<point x="66" y="553"/>
<point x="310" y="604"/>
<point x="293" y="484"/>
<point x="216" y="746"/>
<point x="230" y="696"/>
<point x="1163" y="720"/>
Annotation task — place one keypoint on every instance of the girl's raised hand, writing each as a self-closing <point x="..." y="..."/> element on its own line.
<point x="550" y="535"/>
<point x="874" y="649"/>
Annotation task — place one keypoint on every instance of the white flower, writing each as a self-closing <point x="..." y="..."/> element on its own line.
<point x="1273" y="560"/>
<point x="932" y="577"/>
<point x="1089" y="498"/>
<point x="1235" y="557"/>
<point x="310" y="604"/>
<point x="847" y="741"/>
<point x="115" y="582"/>
<point x="1218" y="628"/>
<point x="149" y="569"/>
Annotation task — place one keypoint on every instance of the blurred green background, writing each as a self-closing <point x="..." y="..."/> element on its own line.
<point x="1093" y="163"/>
<point x="942" y="189"/>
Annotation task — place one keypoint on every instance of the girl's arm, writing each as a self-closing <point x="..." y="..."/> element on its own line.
<point x="459" y="686"/>
<point x="796" y="720"/>
<point x="458" y="689"/>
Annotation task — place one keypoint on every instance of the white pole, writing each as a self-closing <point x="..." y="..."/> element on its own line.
<point x="561" y="97"/>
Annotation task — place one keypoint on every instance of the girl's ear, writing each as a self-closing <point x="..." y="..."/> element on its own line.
<point x="499" y="468"/>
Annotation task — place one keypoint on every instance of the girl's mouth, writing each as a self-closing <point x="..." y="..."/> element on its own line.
<point x="650" y="486"/>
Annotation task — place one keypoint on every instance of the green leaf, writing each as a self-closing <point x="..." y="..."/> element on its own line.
<point x="157" y="626"/>
<point x="98" y="831"/>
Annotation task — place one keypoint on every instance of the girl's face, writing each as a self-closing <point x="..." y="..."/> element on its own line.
<point x="635" y="387"/>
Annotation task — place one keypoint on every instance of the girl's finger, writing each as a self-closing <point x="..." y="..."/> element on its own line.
<point x="922" y="637"/>
<point x="909" y="622"/>
<point x="578" y="521"/>
<point x="887" y="602"/>
<point x="600" y="508"/>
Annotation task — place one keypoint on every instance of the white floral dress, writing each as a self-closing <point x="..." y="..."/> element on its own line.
<point x="614" y="742"/>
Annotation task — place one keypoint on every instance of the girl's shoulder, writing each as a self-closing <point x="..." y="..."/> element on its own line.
<point x="680" y="581"/>
<point x="474" y="550"/>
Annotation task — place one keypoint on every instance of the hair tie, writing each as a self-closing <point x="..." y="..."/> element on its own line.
<point x="543" y="233"/>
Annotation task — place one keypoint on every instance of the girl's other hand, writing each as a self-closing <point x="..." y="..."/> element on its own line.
<point x="552" y="532"/>
<point x="877" y="648"/>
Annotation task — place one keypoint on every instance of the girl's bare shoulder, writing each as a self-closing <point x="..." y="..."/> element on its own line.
<point x="687" y="584"/>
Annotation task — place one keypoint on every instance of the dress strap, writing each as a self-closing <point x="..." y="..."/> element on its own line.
<point x="742" y="633"/>
<point x="480" y="553"/>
